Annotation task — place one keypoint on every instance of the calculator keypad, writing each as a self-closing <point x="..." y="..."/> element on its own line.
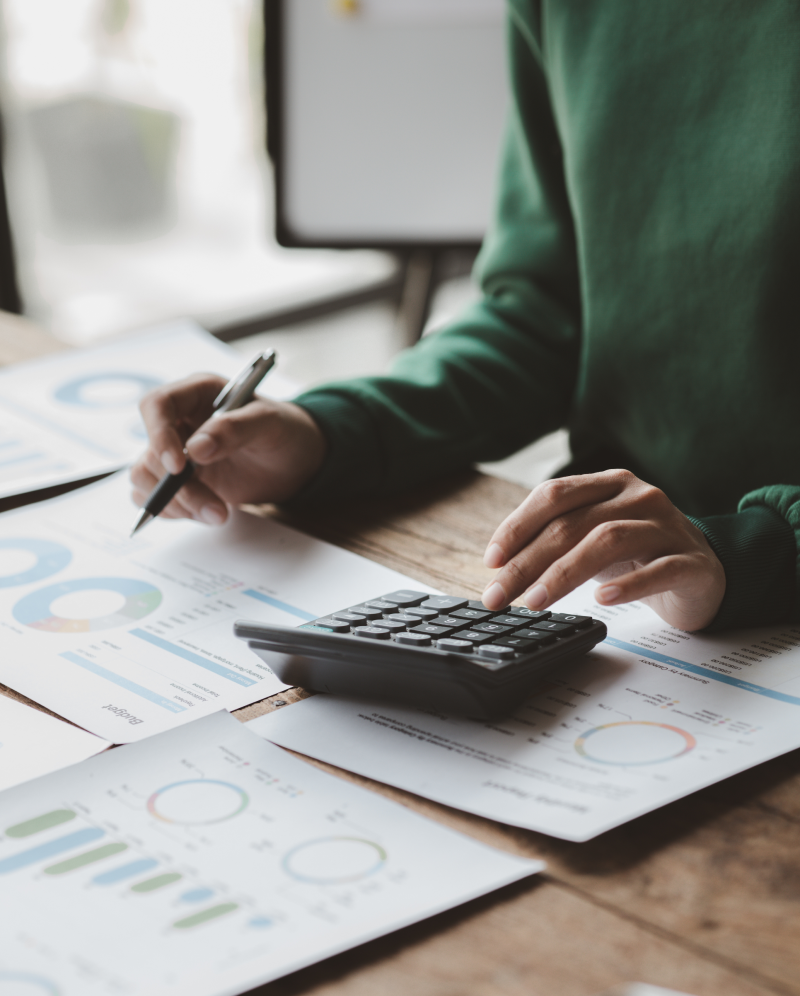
<point x="455" y="625"/>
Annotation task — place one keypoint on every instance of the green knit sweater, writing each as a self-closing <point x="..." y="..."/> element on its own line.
<point x="640" y="283"/>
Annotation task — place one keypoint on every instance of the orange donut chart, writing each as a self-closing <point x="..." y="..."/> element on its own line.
<point x="684" y="743"/>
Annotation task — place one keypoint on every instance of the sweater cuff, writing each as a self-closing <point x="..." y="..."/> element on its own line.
<point x="353" y="463"/>
<point x="758" y="550"/>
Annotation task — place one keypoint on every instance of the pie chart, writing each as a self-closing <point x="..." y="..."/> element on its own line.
<point x="139" y="598"/>
<point x="197" y="802"/>
<point x="634" y="742"/>
<point x="24" y="560"/>
<point x="334" y="860"/>
<point x="111" y="389"/>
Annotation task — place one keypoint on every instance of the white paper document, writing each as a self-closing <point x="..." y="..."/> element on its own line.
<point x="206" y="861"/>
<point x="129" y="637"/>
<point x="33" y="743"/>
<point x="75" y="414"/>
<point x="651" y="715"/>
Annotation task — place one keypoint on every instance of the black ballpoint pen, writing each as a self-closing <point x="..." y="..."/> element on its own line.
<point x="236" y="393"/>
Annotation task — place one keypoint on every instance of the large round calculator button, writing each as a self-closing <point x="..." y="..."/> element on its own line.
<point x="413" y="639"/>
<point x="495" y="653"/>
<point x="455" y="646"/>
<point x="372" y="632"/>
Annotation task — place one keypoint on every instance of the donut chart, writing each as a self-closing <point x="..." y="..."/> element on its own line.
<point x="98" y="390"/>
<point x="634" y="742"/>
<point x="334" y="860"/>
<point x="50" y="559"/>
<point x="141" y="598"/>
<point x="197" y="802"/>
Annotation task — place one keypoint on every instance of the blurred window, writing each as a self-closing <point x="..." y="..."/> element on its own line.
<point x="137" y="182"/>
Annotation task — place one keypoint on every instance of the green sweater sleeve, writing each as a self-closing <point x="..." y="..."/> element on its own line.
<point x="758" y="547"/>
<point x="505" y="373"/>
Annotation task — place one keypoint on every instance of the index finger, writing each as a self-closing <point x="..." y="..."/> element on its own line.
<point x="173" y="412"/>
<point x="546" y="502"/>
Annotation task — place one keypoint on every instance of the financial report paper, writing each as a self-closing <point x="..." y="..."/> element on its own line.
<point x="75" y="414"/>
<point x="649" y="716"/>
<point x="33" y="743"/>
<point x="129" y="637"/>
<point x="205" y="861"/>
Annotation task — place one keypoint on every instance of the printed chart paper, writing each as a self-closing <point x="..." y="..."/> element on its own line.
<point x="33" y="743"/>
<point x="76" y="414"/>
<point x="129" y="637"/>
<point x="206" y="861"/>
<point x="649" y="716"/>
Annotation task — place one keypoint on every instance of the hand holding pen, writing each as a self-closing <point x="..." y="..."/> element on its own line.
<point x="246" y="451"/>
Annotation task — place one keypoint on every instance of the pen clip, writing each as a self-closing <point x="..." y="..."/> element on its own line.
<point x="228" y="392"/>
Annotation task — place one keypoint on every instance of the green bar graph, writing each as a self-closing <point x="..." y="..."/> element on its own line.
<point x="151" y="884"/>
<point x="39" y="823"/>
<point x="210" y="914"/>
<point x="87" y="858"/>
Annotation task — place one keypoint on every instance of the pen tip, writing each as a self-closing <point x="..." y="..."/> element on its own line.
<point x="144" y="518"/>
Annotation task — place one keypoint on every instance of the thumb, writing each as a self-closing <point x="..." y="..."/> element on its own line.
<point x="223" y="435"/>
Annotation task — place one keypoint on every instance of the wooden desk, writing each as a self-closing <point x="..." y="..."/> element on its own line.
<point x="701" y="896"/>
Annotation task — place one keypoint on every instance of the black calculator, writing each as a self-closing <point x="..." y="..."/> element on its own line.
<point x="442" y="652"/>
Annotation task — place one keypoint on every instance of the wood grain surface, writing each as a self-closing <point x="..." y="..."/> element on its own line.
<point x="702" y="896"/>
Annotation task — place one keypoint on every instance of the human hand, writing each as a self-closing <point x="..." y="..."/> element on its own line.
<point x="264" y="451"/>
<point x="613" y="527"/>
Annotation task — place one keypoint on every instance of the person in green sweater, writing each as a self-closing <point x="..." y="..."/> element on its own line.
<point x="639" y="287"/>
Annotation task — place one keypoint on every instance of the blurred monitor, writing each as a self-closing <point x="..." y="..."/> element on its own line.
<point x="384" y="120"/>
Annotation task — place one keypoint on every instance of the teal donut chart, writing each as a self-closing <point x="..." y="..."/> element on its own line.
<point x="50" y="559"/>
<point x="72" y="393"/>
<point x="141" y="598"/>
<point x="326" y="847"/>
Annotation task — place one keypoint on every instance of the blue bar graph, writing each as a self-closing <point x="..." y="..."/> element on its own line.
<point x="125" y="871"/>
<point x="726" y="679"/>
<point x="276" y="603"/>
<point x="43" y="851"/>
<point x="187" y="655"/>
<point x="197" y="895"/>
<point x="117" y="679"/>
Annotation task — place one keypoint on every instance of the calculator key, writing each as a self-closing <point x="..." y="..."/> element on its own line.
<point x="518" y="643"/>
<point x="332" y="625"/>
<point x="509" y="620"/>
<point x="444" y="603"/>
<point x="496" y="653"/>
<point x="537" y="614"/>
<point x="352" y="618"/>
<point x="491" y="627"/>
<point x="413" y="639"/>
<point x="381" y="605"/>
<point x="372" y="632"/>
<point x="405" y="598"/>
<point x="476" y="638"/>
<point x="391" y="624"/>
<point x="474" y="604"/>
<point x="452" y="621"/>
<point x="455" y="646"/>
<point x="432" y="630"/>
<point x="560" y="629"/>
<point x="535" y="634"/>
<point x="366" y="611"/>
<point x="579" y="621"/>
<point x="475" y="615"/>
<point x="421" y="613"/>
<point x="405" y="617"/>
